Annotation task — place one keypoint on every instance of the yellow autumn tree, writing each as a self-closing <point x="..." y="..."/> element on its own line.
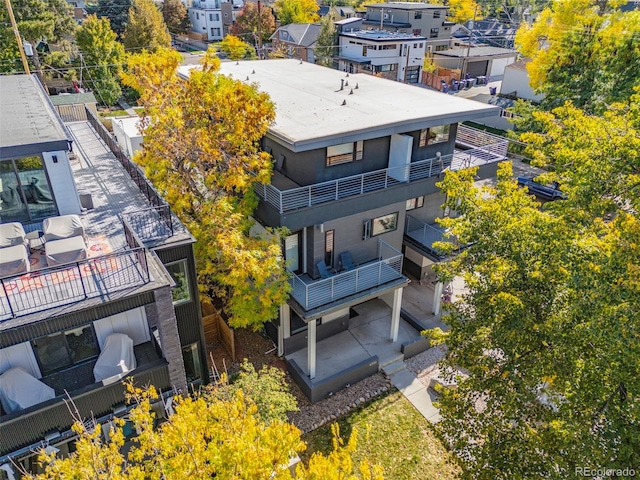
<point x="236" y="49"/>
<point x="461" y="11"/>
<point x="296" y="11"/>
<point x="583" y="51"/>
<point x="201" y="151"/>
<point x="205" y="438"/>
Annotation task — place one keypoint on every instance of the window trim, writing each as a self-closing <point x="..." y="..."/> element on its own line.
<point x="417" y="202"/>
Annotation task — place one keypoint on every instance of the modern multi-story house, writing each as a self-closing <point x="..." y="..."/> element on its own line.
<point x="392" y="55"/>
<point x="212" y="18"/>
<point x="97" y="278"/>
<point x="356" y="161"/>
<point x="422" y="19"/>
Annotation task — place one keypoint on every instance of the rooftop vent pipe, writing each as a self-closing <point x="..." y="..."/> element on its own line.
<point x="344" y="102"/>
<point x="253" y="72"/>
<point x="356" y="86"/>
<point x="342" y="84"/>
<point x="351" y="92"/>
<point x="346" y="84"/>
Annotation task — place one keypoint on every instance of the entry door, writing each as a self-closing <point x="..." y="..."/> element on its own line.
<point x="292" y="252"/>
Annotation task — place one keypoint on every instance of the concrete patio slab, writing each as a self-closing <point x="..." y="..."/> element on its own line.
<point x="423" y="400"/>
<point x="332" y="355"/>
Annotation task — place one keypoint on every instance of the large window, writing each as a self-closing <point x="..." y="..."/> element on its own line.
<point x="380" y="225"/>
<point x="64" y="349"/>
<point x="434" y="32"/>
<point x="179" y="273"/>
<point x="433" y="135"/>
<point x="25" y="193"/>
<point x="344" y="153"/>
<point x="392" y="67"/>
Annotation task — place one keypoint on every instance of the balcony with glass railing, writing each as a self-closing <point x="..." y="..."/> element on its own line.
<point x="477" y="148"/>
<point x="384" y="269"/>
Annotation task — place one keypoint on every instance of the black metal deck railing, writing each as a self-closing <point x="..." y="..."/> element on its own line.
<point x="51" y="287"/>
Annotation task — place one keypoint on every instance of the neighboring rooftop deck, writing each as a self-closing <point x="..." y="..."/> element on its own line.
<point x="119" y="228"/>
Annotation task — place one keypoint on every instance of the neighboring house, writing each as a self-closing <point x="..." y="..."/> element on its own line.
<point x="515" y="82"/>
<point x="128" y="134"/>
<point x="491" y="32"/>
<point x="476" y="61"/>
<point x="101" y="286"/>
<point x="338" y="12"/>
<point x="356" y="161"/>
<point x="297" y="40"/>
<point x="212" y="18"/>
<point x="421" y="19"/>
<point x="396" y="56"/>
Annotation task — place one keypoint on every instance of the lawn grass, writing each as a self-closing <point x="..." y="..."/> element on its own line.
<point x="393" y="434"/>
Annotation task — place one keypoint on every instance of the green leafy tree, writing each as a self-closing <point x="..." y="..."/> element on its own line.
<point x="202" y="152"/>
<point x="145" y="28"/>
<point x="583" y="51"/>
<point x="204" y="438"/>
<point x="266" y="387"/>
<point x="175" y="15"/>
<point x="38" y="20"/>
<point x="9" y="54"/>
<point x="117" y="11"/>
<point x="326" y="45"/>
<point x="236" y="49"/>
<point x="296" y="11"/>
<point x="246" y="24"/>
<point x="548" y="331"/>
<point x="105" y="54"/>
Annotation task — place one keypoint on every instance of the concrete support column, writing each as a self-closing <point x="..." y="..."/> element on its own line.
<point x="437" y="298"/>
<point x="395" y="314"/>
<point x="284" y="330"/>
<point x="164" y="318"/>
<point x="311" y="348"/>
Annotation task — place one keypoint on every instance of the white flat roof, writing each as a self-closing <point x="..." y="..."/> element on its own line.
<point x="309" y="103"/>
<point x="129" y="125"/>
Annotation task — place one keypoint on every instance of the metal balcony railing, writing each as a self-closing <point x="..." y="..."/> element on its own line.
<point x="150" y="223"/>
<point x="481" y="148"/>
<point x="51" y="287"/>
<point x="385" y="268"/>
<point x="426" y="235"/>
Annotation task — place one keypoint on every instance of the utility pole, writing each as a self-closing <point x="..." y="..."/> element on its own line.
<point x="25" y="64"/>
<point x="466" y="57"/>
<point x="259" y="29"/>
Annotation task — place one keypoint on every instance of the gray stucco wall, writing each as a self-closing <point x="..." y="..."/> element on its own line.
<point x="348" y="236"/>
<point x="308" y="168"/>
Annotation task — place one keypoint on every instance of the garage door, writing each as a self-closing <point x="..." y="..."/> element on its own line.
<point x="476" y="69"/>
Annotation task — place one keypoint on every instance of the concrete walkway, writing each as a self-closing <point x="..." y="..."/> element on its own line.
<point x="413" y="390"/>
<point x="126" y="107"/>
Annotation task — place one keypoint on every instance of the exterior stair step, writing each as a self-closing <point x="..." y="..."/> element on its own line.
<point x="394" y="367"/>
<point x="383" y="362"/>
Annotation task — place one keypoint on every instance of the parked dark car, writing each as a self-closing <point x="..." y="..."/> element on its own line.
<point x="540" y="190"/>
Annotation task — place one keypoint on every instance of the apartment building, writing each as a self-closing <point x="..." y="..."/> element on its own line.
<point x="421" y="19"/>
<point x="212" y="18"/>
<point x="356" y="160"/>
<point x="97" y="278"/>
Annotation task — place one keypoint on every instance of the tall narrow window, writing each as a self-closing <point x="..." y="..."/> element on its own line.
<point x="328" y="247"/>
<point x="178" y="271"/>
<point x="191" y="358"/>
<point x="292" y="252"/>
<point x="423" y="137"/>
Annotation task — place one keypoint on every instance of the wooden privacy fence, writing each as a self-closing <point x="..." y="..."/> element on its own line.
<point x="217" y="330"/>
<point x="75" y="112"/>
<point x="434" y="80"/>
